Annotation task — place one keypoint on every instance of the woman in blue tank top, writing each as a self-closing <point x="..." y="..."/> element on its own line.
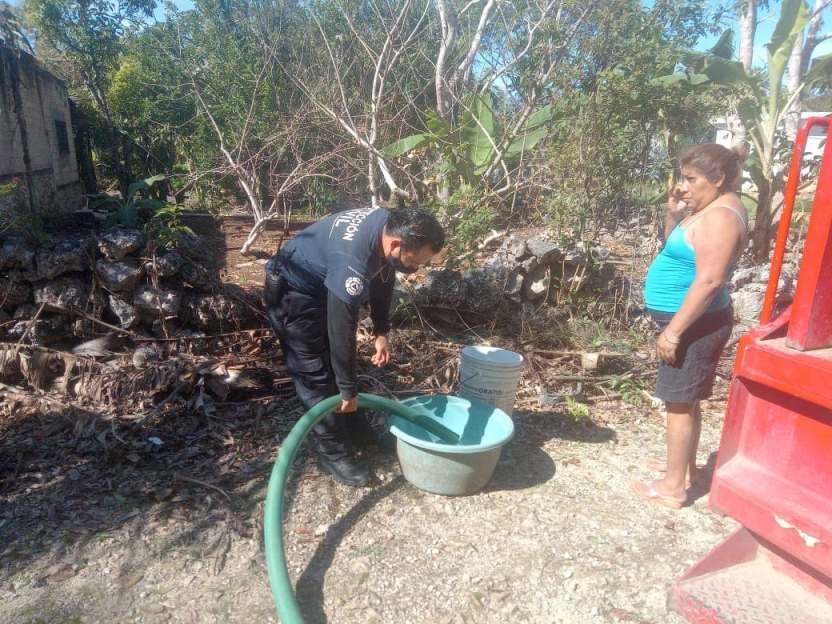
<point x="686" y="295"/>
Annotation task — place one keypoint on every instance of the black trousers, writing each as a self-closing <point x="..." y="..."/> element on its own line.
<point x="299" y="321"/>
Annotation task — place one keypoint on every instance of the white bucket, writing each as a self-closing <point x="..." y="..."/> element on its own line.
<point x="490" y="374"/>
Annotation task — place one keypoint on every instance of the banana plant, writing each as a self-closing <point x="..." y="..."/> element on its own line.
<point x="762" y="108"/>
<point x="468" y="150"/>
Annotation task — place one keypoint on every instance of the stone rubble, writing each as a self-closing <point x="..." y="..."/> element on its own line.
<point x="113" y="276"/>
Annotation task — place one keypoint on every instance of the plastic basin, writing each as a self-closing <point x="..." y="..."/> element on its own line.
<point x="451" y="469"/>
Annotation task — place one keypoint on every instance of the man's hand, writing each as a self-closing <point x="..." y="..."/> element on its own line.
<point x="382" y="355"/>
<point x="348" y="406"/>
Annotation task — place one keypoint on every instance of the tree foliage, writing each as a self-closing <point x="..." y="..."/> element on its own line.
<point x="762" y="103"/>
<point x="489" y="112"/>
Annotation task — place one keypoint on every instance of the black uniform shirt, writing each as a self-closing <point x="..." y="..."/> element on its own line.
<point x="339" y="258"/>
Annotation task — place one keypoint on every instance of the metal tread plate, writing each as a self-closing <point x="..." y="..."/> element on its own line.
<point x="753" y="592"/>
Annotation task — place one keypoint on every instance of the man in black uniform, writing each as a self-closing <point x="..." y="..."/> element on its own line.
<point x="314" y="288"/>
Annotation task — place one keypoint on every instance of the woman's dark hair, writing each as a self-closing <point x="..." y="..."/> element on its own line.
<point x="715" y="161"/>
<point x="416" y="228"/>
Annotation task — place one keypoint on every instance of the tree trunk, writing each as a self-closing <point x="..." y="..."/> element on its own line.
<point x="813" y="36"/>
<point x="448" y="21"/>
<point x="123" y="151"/>
<point x="761" y="236"/>
<point x="253" y="235"/>
<point x="747" y="10"/>
<point x="748" y="28"/>
<point x="792" y="118"/>
<point x="799" y="61"/>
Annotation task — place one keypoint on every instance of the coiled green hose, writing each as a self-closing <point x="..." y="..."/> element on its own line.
<point x="281" y="584"/>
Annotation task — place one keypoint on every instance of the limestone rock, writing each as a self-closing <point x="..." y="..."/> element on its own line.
<point x="545" y="251"/>
<point x="69" y="255"/>
<point x="14" y="292"/>
<point x="749" y="286"/>
<point x="119" y="276"/>
<point x="120" y="242"/>
<point x="17" y="254"/>
<point x="482" y="288"/>
<point x="124" y="311"/>
<point x="67" y="292"/>
<point x="195" y="276"/>
<point x="25" y="312"/>
<point x="440" y="287"/>
<point x="145" y="356"/>
<point x="748" y="275"/>
<point x="514" y="284"/>
<point x="166" y="264"/>
<point x="514" y="248"/>
<point x="43" y="332"/>
<point x="153" y="302"/>
<point x="214" y="312"/>
<point x="536" y="282"/>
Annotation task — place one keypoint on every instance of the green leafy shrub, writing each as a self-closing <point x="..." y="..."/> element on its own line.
<point x="577" y="411"/>
<point x="166" y="227"/>
<point x="318" y="197"/>
<point x="471" y="217"/>
<point x="633" y="390"/>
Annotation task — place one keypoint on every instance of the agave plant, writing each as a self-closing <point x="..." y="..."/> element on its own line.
<point x="133" y="209"/>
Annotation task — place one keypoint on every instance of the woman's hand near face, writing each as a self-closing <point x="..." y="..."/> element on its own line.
<point x="676" y="207"/>
<point x="676" y="210"/>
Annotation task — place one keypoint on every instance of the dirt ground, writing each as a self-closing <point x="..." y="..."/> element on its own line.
<point x="555" y="537"/>
<point x="172" y="532"/>
<point x="223" y="245"/>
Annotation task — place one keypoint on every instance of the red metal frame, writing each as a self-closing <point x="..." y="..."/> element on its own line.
<point x="789" y="195"/>
<point x="774" y="468"/>
<point x="811" y="325"/>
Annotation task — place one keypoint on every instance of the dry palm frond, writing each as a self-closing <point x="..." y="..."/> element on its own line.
<point x="9" y="365"/>
<point x="36" y="368"/>
<point x="121" y="384"/>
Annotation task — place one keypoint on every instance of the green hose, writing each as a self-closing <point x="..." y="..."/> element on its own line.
<point x="281" y="584"/>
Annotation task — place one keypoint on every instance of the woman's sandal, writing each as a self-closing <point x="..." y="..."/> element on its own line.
<point x="657" y="465"/>
<point x="648" y="492"/>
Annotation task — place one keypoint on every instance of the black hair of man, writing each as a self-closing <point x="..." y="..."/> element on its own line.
<point x="416" y="228"/>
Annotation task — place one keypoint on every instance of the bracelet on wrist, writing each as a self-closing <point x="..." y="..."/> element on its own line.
<point x="669" y="339"/>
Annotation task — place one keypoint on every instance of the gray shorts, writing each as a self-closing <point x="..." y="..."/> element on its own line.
<point x="692" y="377"/>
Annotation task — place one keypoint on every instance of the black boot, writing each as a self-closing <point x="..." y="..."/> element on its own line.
<point x="382" y="437"/>
<point x="346" y="470"/>
<point x="370" y="428"/>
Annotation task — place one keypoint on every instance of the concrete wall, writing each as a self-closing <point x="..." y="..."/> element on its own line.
<point x="37" y="148"/>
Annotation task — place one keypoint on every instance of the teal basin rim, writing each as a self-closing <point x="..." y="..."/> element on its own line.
<point x="481" y="426"/>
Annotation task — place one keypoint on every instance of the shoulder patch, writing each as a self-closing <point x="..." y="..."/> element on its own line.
<point x="354" y="286"/>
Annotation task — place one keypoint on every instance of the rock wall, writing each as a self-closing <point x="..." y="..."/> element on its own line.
<point x="749" y="283"/>
<point x="523" y="270"/>
<point x="115" y="277"/>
